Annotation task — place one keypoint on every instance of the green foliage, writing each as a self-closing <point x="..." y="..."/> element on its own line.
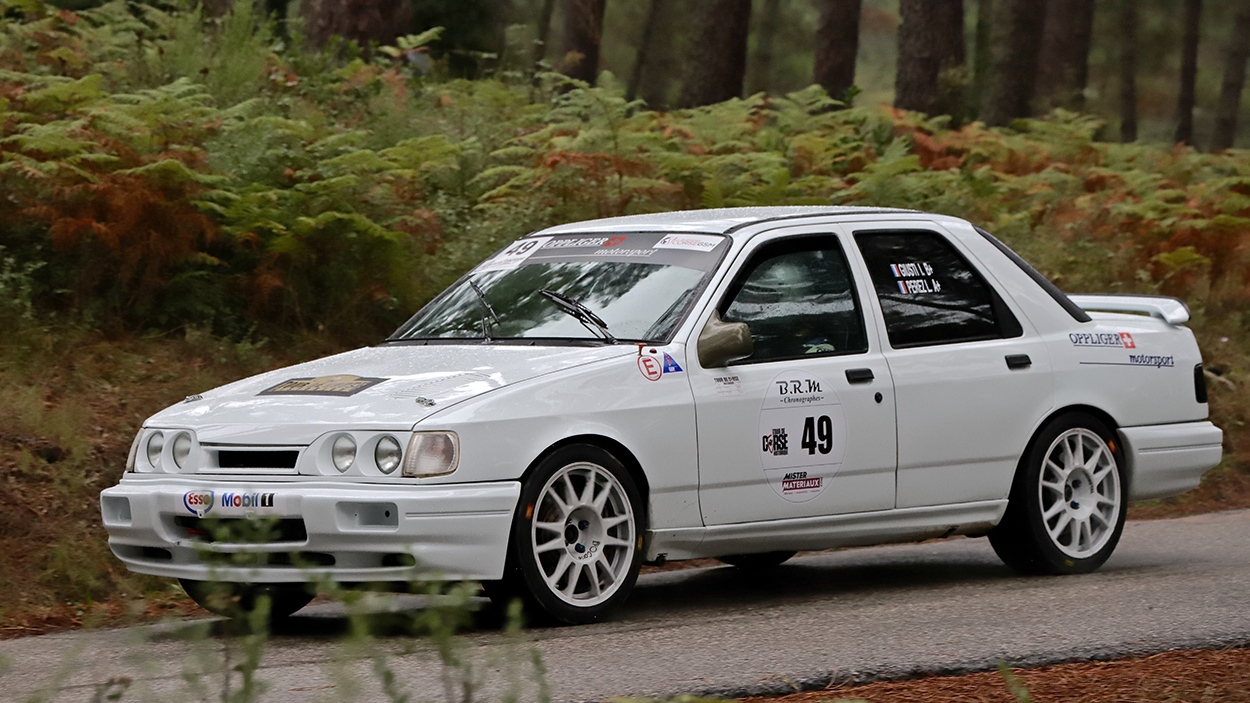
<point x="170" y="169"/>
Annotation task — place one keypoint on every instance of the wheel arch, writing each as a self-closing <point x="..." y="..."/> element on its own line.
<point x="1098" y="413"/>
<point x="616" y="449"/>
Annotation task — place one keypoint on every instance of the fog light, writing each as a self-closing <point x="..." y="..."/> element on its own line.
<point x="343" y="452"/>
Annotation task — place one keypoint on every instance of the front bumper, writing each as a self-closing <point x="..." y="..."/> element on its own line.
<point x="351" y="532"/>
<point x="1166" y="460"/>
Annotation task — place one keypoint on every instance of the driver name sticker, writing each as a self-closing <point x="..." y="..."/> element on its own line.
<point x="514" y="255"/>
<point x="915" y="278"/>
<point x="802" y="435"/>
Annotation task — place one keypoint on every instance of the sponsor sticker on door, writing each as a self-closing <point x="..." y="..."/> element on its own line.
<point x="802" y="435"/>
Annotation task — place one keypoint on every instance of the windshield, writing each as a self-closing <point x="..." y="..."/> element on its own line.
<point x="632" y="287"/>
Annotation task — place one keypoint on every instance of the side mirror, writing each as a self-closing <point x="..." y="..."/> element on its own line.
<point x="721" y="342"/>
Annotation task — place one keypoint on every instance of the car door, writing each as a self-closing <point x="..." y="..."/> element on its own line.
<point x="971" y="376"/>
<point x="805" y="425"/>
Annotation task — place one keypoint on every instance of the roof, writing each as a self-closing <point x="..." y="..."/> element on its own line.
<point x="714" y="221"/>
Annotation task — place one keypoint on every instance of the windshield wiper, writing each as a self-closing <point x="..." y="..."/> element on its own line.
<point x="481" y="296"/>
<point x="580" y="312"/>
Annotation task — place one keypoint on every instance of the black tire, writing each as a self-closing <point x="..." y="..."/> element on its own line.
<point x="757" y="562"/>
<point x="237" y="600"/>
<point x="1023" y="539"/>
<point x="525" y="574"/>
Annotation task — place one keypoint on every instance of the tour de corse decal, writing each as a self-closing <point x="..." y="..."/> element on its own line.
<point x="802" y="435"/>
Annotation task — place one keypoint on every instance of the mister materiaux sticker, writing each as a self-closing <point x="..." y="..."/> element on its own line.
<point x="341" y="385"/>
<point x="802" y="435"/>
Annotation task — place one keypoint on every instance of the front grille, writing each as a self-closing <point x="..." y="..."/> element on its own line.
<point x="256" y="459"/>
<point x="242" y="529"/>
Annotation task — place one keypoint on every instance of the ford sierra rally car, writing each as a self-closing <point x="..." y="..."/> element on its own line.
<point x="738" y="384"/>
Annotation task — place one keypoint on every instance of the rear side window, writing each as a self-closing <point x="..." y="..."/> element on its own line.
<point x="929" y="293"/>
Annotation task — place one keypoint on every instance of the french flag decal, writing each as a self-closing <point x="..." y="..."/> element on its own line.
<point x="902" y="287"/>
<point x="894" y="268"/>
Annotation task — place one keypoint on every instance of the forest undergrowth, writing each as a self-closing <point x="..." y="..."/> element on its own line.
<point x="187" y="201"/>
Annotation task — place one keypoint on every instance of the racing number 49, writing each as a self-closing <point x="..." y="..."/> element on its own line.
<point x="817" y="434"/>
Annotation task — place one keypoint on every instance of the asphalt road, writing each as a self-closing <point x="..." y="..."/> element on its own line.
<point x="859" y="614"/>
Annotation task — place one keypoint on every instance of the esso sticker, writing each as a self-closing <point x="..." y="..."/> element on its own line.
<point x="802" y="435"/>
<point x="198" y="503"/>
<point x="650" y="367"/>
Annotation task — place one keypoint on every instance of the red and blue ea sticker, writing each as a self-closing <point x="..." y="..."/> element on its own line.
<point x="198" y="502"/>
<point x="653" y="368"/>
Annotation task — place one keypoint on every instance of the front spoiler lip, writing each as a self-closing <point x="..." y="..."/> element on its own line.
<point x="454" y="531"/>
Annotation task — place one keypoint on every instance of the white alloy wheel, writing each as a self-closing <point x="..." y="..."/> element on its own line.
<point x="1080" y="492"/>
<point x="583" y="533"/>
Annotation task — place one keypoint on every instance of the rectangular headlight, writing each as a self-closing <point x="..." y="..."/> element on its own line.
<point x="431" y="454"/>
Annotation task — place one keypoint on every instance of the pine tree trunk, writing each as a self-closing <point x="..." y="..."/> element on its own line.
<point x="583" y="32"/>
<point x="1128" y="70"/>
<point x="1189" y="73"/>
<point x="1234" y="79"/>
<point x="645" y="43"/>
<point x="664" y="55"/>
<point x="716" y="61"/>
<point x="981" y="57"/>
<point x="544" y="33"/>
<point x="363" y="21"/>
<point x="931" y="74"/>
<point x="761" y="72"/>
<point x="837" y="43"/>
<point x="1063" y="63"/>
<point x="1017" y="39"/>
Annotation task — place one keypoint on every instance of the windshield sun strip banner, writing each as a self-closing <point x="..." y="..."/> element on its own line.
<point x="693" y="251"/>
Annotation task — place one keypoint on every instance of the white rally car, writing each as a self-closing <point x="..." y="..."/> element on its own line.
<point x="738" y="384"/>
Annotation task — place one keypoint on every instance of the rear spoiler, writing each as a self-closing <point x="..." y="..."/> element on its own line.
<point x="1173" y="311"/>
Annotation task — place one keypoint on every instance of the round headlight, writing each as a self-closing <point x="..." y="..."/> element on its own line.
<point x="343" y="452"/>
<point x="182" y="449"/>
<point x="156" y="445"/>
<point x="387" y="454"/>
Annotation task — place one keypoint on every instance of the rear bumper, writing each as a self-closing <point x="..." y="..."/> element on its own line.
<point x="352" y="532"/>
<point x="1166" y="460"/>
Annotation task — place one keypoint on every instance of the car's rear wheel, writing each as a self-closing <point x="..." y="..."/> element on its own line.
<point x="575" y="548"/>
<point x="1068" y="501"/>
<point x="757" y="562"/>
<point x="237" y="600"/>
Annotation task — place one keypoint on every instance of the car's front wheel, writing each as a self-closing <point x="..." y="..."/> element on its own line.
<point x="1068" y="501"/>
<point x="575" y="547"/>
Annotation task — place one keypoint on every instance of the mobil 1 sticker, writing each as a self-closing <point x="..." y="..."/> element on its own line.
<point x="802" y="435"/>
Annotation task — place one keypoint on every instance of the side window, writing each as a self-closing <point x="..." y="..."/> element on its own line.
<point x="929" y="293"/>
<point x="798" y="298"/>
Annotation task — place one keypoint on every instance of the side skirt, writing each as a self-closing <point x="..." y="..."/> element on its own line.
<point x="826" y="532"/>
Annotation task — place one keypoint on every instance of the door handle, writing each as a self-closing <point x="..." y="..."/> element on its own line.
<point x="1019" y="361"/>
<point x="859" y="375"/>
